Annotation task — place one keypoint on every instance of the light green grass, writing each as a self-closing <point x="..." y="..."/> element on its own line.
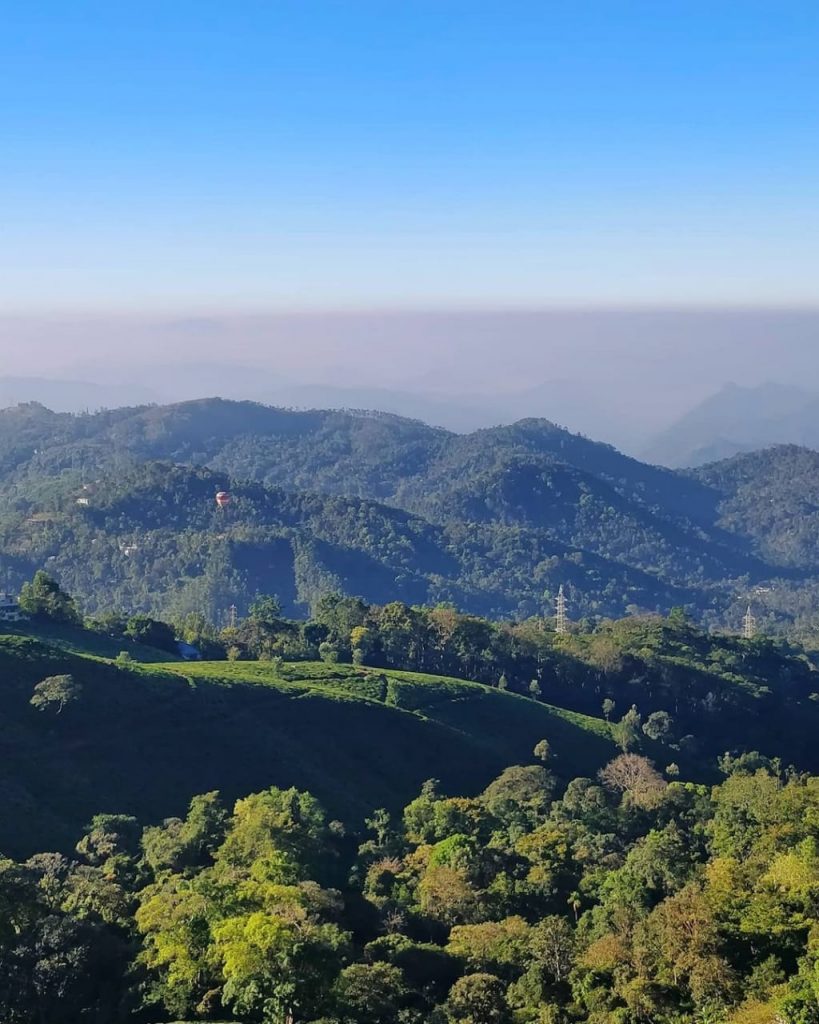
<point x="144" y="739"/>
<point x="502" y="721"/>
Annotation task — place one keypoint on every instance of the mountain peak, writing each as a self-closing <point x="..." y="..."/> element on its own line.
<point x="738" y="418"/>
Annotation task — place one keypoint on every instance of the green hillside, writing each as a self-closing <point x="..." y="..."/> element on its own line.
<point x="149" y="537"/>
<point x="144" y="738"/>
<point x="119" y="504"/>
<point x="375" y="505"/>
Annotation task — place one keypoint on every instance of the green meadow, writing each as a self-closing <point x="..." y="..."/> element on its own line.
<point x="144" y="737"/>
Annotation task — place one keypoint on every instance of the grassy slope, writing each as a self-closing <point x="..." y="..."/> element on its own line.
<point x="85" y="642"/>
<point x="144" y="740"/>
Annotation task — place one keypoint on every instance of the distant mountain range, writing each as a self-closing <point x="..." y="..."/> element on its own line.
<point x="734" y="419"/>
<point x="738" y="419"/>
<point x="71" y="395"/>
<point x="577" y="405"/>
<point x="120" y="505"/>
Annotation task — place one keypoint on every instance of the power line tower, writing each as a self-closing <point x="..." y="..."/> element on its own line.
<point x="749" y="625"/>
<point x="561" y="619"/>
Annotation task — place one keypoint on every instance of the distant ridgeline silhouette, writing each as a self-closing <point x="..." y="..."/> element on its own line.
<point x="121" y="506"/>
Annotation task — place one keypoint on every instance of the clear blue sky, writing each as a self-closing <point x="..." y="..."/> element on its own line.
<point x="407" y="152"/>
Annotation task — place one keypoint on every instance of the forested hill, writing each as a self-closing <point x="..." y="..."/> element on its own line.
<point x="373" y="504"/>
<point x="366" y="454"/>
<point x="771" y="496"/>
<point x="150" y="537"/>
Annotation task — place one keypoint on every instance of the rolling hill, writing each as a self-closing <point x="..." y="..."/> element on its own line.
<point x="143" y="734"/>
<point x="372" y="504"/>
<point x="143" y="738"/>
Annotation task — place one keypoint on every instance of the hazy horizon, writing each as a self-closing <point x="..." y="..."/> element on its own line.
<point x="598" y="215"/>
<point x="620" y="375"/>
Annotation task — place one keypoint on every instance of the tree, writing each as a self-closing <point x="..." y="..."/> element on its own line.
<point x="174" y="918"/>
<point x="371" y="993"/>
<point x="277" y="961"/>
<point x="178" y="844"/>
<point x="328" y="653"/>
<point x="265" y="609"/>
<point x="478" y="999"/>
<point x="552" y="947"/>
<point x="627" y="730"/>
<point x="658" y="725"/>
<point x="520" y="795"/>
<point x="686" y="938"/>
<point x="543" y="751"/>
<point x="63" y="969"/>
<point x="494" y="946"/>
<point x="196" y="630"/>
<point x="608" y="708"/>
<point x="44" y="599"/>
<point x="55" y="692"/>
<point x="111" y="623"/>
<point x="110" y="836"/>
<point x="446" y="894"/>
<point x="286" y="826"/>
<point x="634" y="777"/>
<point x="361" y="643"/>
<point x="405" y="636"/>
<point x="257" y="633"/>
<point x="340" y="615"/>
<point x="153" y="632"/>
<point x="678" y="618"/>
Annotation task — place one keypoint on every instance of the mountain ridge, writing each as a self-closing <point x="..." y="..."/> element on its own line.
<point x="738" y="419"/>
<point x="494" y="520"/>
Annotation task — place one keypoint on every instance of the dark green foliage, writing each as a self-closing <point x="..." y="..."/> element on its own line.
<point x="371" y="993"/>
<point x="145" y="630"/>
<point x="150" y="738"/>
<point x="43" y="599"/>
<point x="702" y="905"/>
<point x="147" y="740"/>
<point x="387" y="508"/>
<point x="508" y="903"/>
<point x="591" y="887"/>
<point x="478" y="999"/>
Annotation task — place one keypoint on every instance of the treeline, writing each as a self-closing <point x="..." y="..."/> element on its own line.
<point x="698" y="693"/>
<point x="622" y="899"/>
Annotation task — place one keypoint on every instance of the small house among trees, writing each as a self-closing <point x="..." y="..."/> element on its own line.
<point x="10" y="610"/>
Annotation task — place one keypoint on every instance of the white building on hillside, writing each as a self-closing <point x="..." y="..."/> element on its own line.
<point x="9" y="609"/>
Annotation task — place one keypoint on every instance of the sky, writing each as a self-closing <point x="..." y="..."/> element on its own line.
<point x="189" y="158"/>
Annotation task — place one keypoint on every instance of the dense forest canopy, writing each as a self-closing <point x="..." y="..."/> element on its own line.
<point x="613" y="899"/>
<point x="119" y="504"/>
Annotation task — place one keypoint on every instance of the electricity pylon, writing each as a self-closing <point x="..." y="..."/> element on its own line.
<point x="561" y="619"/>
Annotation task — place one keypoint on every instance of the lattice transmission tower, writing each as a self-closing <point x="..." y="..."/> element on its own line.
<point x="561" y="619"/>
